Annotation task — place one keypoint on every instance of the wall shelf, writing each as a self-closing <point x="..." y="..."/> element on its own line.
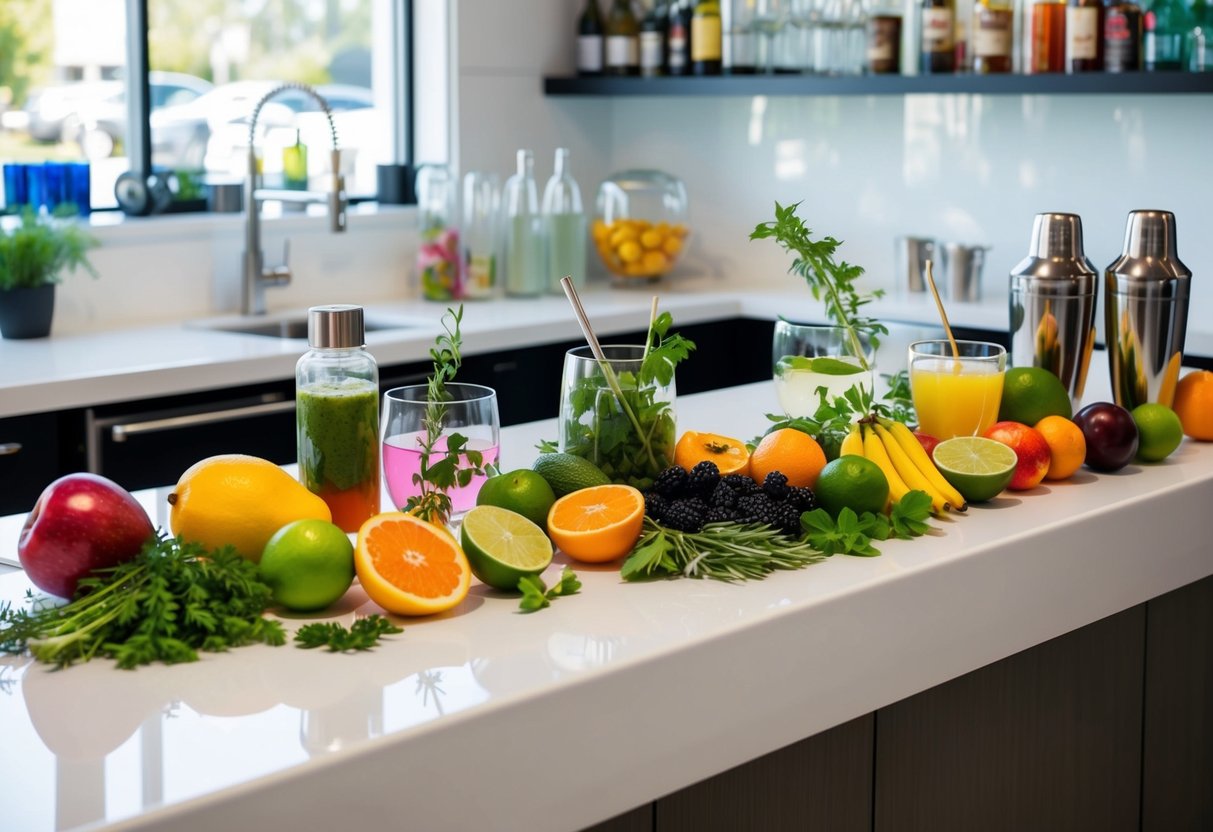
<point x="1096" y="83"/>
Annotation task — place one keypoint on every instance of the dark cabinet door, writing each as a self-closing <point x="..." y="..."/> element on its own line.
<point x="36" y="449"/>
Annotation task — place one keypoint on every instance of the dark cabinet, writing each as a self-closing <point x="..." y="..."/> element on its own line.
<point x="34" y="450"/>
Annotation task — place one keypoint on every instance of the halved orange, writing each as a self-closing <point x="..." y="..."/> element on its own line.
<point x="729" y="454"/>
<point x="409" y="566"/>
<point x="597" y="524"/>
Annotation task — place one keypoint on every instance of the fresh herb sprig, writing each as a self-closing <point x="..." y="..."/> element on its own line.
<point x="536" y="594"/>
<point x="900" y="401"/>
<point x="363" y="634"/>
<point x="457" y="463"/>
<point x="172" y="600"/>
<point x="832" y="419"/>
<point x="722" y="551"/>
<point x="852" y="534"/>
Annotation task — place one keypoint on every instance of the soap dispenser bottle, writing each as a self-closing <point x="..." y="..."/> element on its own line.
<point x="564" y="226"/>
<point x="337" y="415"/>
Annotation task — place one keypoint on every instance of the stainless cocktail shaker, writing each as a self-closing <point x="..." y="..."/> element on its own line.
<point x="1146" y="311"/>
<point x="1053" y="293"/>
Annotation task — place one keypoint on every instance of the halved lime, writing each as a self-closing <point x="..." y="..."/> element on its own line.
<point x="977" y="467"/>
<point x="502" y="546"/>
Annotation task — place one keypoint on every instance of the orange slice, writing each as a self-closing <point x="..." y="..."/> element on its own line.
<point x="409" y="566"/>
<point x="728" y="453"/>
<point x="597" y="524"/>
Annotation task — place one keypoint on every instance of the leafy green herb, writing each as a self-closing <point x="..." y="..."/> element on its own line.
<point x="624" y="426"/>
<point x="363" y="634"/>
<point x="909" y="515"/>
<point x="536" y="595"/>
<point x="547" y="446"/>
<point x="901" y="403"/>
<point x="38" y="251"/>
<point x="456" y="464"/>
<point x="722" y="551"/>
<point x="850" y="534"/>
<point x="824" y="364"/>
<point x="832" y="420"/>
<point x="171" y="600"/>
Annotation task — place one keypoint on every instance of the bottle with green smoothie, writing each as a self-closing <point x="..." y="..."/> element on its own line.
<point x="337" y="415"/>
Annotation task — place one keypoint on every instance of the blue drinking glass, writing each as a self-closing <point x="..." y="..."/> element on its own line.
<point x="16" y="187"/>
<point x="57" y="187"/>
<point x="79" y="187"/>
<point x="35" y="176"/>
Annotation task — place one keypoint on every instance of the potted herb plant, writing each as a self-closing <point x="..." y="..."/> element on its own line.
<point x="34" y="255"/>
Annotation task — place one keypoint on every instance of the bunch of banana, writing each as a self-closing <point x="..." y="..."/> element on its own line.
<point x="905" y="463"/>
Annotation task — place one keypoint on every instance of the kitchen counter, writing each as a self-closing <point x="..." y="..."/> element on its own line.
<point x="485" y="718"/>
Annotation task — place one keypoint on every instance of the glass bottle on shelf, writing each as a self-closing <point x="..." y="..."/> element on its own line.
<point x="525" y="272"/>
<point x="993" y="27"/>
<point x="481" y="233"/>
<point x="740" y="52"/>
<point x="678" y="38"/>
<point x="1122" y="34"/>
<point x="589" y="40"/>
<point x="883" y="47"/>
<point x="1047" y="51"/>
<point x="652" y="39"/>
<point x="1084" y="36"/>
<point x="337" y="415"/>
<point x="706" y="38"/>
<point x="438" y="256"/>
<point x="938" y="21"/>
<point x="564" y="226"/>
<point x="1167" y="24"/>
<point x="622" y="40"/>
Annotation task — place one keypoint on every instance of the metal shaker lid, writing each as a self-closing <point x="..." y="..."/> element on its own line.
<point x="1149" y="254"/>
<point x="1056" y="263"/>
<point x="335" y="327"/>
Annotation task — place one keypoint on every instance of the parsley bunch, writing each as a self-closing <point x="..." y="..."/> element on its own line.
<point x="363" y="634"/>
<point x="172" y="600"/>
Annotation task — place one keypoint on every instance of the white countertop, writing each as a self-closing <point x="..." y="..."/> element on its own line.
<point x="484" y="718"/>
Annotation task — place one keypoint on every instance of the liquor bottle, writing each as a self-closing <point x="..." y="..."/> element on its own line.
<point x="622" y="40"/>
<point x="1122" y="33"/>
<point x="678" y="38"/>
<point x="993" y="22"/>
<point x="883" y="30"/>
<point x="589" y="40"/>
<point x="525" y="272"/>
<point x="1167" y="24"/>
<point x="1084" y="36"/>
<point x="564" y="226"/>
<point x="652" y="39"/>
<point x="938" y="31"/>
<point x="706" y="43"/>
<point x="1047" y="52"/>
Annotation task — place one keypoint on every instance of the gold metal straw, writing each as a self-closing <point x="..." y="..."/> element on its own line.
<point x="943" y="316"/>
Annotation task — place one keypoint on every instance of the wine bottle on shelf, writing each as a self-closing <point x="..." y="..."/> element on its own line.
<point x="938" y="22"/>
<point x="1167" y="24"/>
<point x="652" y="39"/>
<point x="706" y="38"/>
<point x="589" y="40"/>
<point x="993" y="25"/>
<point x="622" y="40"/>
<point x="883" y="30"/>
<point x="1047" y="51"/>
<point x="678" y="38"/>
<point x="1084" y="36"/>
<point x="1122" y="34"/>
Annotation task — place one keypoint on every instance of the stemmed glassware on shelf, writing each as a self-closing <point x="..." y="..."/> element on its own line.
<point x="770" y="18"/>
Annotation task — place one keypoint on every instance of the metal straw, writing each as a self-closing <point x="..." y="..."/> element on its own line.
<point x="943" y="316"/>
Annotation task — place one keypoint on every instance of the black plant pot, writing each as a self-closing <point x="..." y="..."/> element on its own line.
<point x="26" y="313"/>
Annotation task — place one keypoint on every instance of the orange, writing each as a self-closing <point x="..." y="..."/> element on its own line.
<point x="791" y="452"/>
<point x="597" y="524"/>
<point x="1194" y="404"/>
<point x="409" y="566"/>
<point x="729" y="454"/>
<point x="1067" y="446"/>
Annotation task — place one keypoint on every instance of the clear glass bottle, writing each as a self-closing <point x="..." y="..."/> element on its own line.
<point x="337" y="415"/>
<point x="438" y="256"/>
<point x="525" y="272"/>
<point x="481" y="233"/>
<point x="652" y="39"/>
<point x="564" y="226"/>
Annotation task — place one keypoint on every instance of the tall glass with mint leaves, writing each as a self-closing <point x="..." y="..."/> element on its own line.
<point x="619" y="414"/>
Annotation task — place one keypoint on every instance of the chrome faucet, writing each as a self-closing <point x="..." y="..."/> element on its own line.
<point x="255" y="276"/>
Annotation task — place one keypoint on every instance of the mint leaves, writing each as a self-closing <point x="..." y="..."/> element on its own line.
<point x="536" y="595"/>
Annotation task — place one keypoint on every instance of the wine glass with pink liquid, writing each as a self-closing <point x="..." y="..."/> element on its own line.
<point x="469" y="410"/>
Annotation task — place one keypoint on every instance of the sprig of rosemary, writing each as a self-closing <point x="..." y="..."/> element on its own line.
<point x="721" y="551"/>
<point x="536" y="595"/>
<point x="363" y="634"/>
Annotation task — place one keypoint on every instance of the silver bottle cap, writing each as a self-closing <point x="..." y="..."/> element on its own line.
<point x="1056" y="264"/>
<point x="1057" y="236"/>
<point x="335" y="327"/>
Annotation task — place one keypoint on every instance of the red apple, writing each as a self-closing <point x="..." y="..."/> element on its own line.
<point x="1030" y="448"/>
<point x="81" y="522"/>
<point x="927" y="441"/>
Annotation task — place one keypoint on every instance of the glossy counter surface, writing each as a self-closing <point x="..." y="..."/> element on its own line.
<point x="485" y="718"/>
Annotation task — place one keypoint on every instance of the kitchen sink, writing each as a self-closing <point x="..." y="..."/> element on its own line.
<point x="293" y="327"/>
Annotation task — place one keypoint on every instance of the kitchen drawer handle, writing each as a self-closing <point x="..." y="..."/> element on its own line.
<point x="9" y="448"/>
<point x="119" y="433"/>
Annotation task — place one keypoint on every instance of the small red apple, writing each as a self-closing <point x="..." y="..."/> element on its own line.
<point x="1031" y="449"/>
<point x="81" y="522"/>
<point x="927" y="441"/>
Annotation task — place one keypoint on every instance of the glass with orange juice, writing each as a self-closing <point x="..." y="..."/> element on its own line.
<point x="956" y="395"/>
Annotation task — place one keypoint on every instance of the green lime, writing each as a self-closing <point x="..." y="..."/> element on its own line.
<point x="308" y="565"/>
<point x="1031" y="393"/>
<point x="977" y="467"/>
<point x="523" y="491"/>
<point x="567" y="473"/>
<point x="503" y="546"/>
<point x="1159" y="431"/>
<point x="852" y="482"/>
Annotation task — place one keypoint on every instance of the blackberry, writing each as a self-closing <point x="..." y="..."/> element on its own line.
<point x="740" y="483"/>
<point x="718" y="514"/>
<point x="670" y="482"/>
<point x="722" y="496"/>
<point x="802" y="498"/>
<point x="786" y="519"/>
<point x="776" y="485"/>
<point x="751" y="508"/>
<point x="655" y="505"/>
<point x="702" y="479"/>
<point x="686" y="515"/>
